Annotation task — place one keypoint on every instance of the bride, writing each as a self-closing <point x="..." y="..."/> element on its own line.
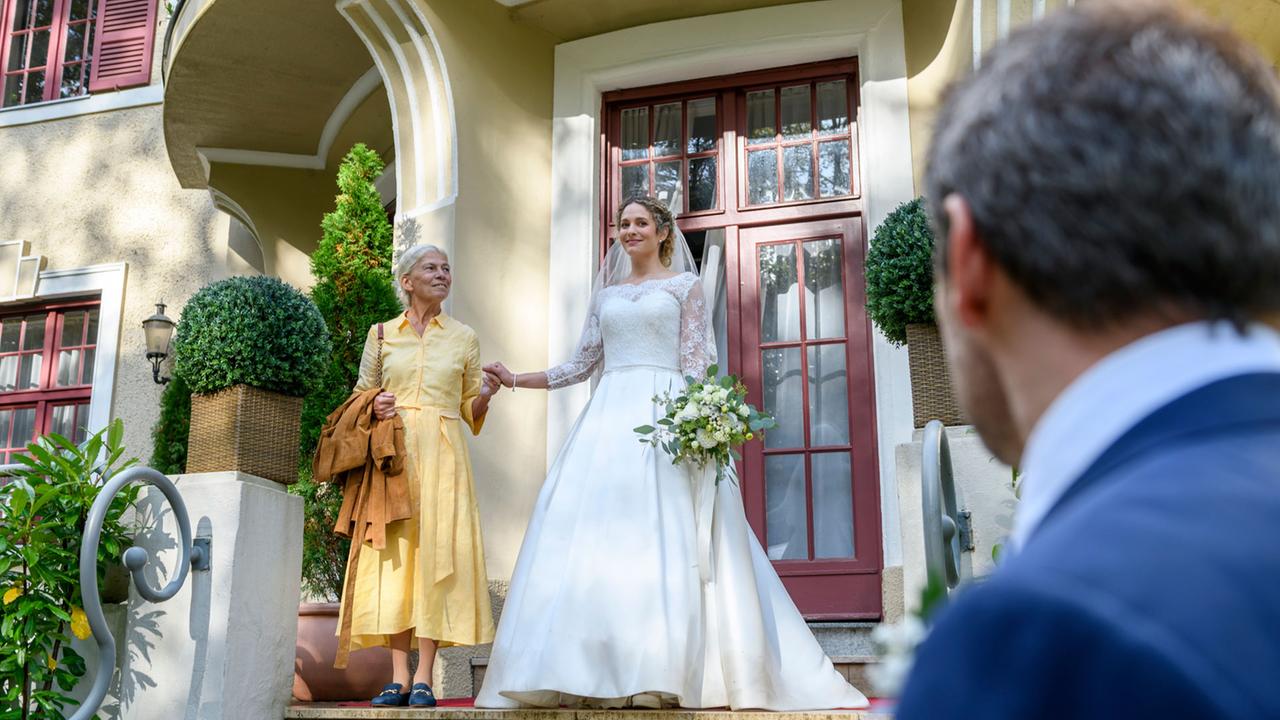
<point x="639" y="582"/>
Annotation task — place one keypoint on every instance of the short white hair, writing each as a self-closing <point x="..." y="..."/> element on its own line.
<point x="408" y="259"/>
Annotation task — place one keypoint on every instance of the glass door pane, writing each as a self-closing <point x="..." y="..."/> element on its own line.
<point x="666" y="130"/>
<point x="833" y="535"/>
<point x="783" y="384"/>
<point x="824" y="289"/>
<point x="809" y="165"/>
<point x="635" y="133"/>
<point x="667" y="186"/>
<point x="760" y="118"/>
<point x="828" y="395"/>
<point x="779" y="296"/>
<point x="702" y="125"/>
<point x="787" y="533"/>
<point x="69" y="421"/>
<point x="796" y="124"/>
<point x="670" y="150"/>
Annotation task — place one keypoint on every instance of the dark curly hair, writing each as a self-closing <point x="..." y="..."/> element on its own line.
<point x="662" y="218"/>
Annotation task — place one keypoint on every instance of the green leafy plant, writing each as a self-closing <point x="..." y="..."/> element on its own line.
<point x="324" y="552"/>
<point x="44" y="508"/>
<point x="353" y="291"/>
<point x="900" y="271"/>
<point x="169" y="436"/>
<point x="256" y="331"/>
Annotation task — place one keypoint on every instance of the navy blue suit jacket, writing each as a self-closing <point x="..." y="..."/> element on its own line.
<point x="1152" y="589"/>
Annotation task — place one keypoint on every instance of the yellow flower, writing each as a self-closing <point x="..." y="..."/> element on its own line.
<point x="53" y="664"/>
<point x="12" y="594"/>
<point x="80" y="624"/>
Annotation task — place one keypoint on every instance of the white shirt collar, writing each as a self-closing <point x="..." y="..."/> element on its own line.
<point x="1119" y="391"/>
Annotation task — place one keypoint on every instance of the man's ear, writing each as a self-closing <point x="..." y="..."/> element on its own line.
<point x="970" y="269"/>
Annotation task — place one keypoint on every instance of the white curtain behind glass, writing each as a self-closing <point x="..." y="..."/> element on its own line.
<point x="713" y="283"/>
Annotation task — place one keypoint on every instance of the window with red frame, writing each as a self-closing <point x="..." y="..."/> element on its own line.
<point x="57" y="49"/>
<point x="48" y="49"/>
<point x="47" y="358"/>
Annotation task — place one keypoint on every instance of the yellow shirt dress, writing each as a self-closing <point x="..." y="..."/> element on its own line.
<point x="431" y="576"/>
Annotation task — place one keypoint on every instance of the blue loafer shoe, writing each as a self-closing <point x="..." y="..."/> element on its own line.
<point x="421" y="696"/>
<point x="391" y="696"/>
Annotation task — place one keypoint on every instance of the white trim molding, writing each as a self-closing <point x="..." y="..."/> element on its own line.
<point x="224" y="203"/>
<point x="408" y="57"/>
<point x="709" y="46"/>
<point x="107" y="282"/>
<point x="83" y="105"/>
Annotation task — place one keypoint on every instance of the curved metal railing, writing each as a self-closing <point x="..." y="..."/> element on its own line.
<point x="946" y="527"/>
<point x="194" y="555"/>
<point x="172" y="25"/>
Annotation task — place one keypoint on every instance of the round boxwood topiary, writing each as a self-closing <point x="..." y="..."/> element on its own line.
<point x="256" y="331"/>
<point x="900" y="271"/>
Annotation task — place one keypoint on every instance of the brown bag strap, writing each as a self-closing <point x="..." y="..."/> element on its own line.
<point x="378" y="366"/>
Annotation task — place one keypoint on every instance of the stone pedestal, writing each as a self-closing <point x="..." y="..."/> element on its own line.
<point x="983" y="487"/>
<point x="223" y="647"/>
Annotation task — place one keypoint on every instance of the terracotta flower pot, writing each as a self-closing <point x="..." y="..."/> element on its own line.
<point x="314" y="677"/>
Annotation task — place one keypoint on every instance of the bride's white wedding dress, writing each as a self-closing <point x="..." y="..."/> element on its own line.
<point x="608" y="604"/>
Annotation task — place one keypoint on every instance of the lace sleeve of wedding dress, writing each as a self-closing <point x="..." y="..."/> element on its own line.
<point x="697" y="340"/>
<point x="585" y="359"/>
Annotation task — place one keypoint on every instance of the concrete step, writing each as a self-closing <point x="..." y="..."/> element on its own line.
<point x="327" y="711"/>
<point x="848" y="644"/>
<point x="852" y="667"/>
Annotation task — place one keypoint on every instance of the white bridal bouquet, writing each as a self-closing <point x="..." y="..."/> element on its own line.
<point x="706" y="422"/>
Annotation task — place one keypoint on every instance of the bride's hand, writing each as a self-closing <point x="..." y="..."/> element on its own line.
<point x="505" y="376"/>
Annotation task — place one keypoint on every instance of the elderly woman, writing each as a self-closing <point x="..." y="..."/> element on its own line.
<point x="428" y="587"/>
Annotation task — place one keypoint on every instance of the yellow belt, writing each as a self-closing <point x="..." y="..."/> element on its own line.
<point x="446" y="492"/>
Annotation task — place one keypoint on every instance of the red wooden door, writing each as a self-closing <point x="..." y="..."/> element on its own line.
<point x="811" y="487"/>
<point x="765" y="165"/>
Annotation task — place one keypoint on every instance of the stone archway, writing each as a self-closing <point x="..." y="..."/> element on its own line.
<point x="413" y="70"/>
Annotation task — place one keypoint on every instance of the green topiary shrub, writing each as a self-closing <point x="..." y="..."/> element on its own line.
<point x="353" y="290"/>
<point x="900" y="271"/>
<point x="256" y="331"/>
<point x="169" y="436"/>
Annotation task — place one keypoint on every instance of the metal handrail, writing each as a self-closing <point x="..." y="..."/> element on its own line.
<point x="945" y="525"/>
<point x="168" y="40"/>
<point x="195" y="555"/>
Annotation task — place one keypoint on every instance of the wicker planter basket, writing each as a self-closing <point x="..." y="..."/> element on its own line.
<point x="246" y="429"/>
<point x="931" y="395"/>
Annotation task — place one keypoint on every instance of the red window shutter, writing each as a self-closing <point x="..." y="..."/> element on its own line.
<point x="122" y="54"/>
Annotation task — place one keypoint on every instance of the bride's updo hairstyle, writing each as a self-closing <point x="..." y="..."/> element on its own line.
<point x="662" y="218"/>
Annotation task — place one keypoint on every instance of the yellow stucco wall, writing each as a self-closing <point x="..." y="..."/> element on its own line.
<point x="1256" y="21"/>
<point x="286" y="206"/>
<point x="938" y="41"/>
<point x="939" y="48"/>
<point x="501" y="74"/>
<point x="99" y="189"/>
